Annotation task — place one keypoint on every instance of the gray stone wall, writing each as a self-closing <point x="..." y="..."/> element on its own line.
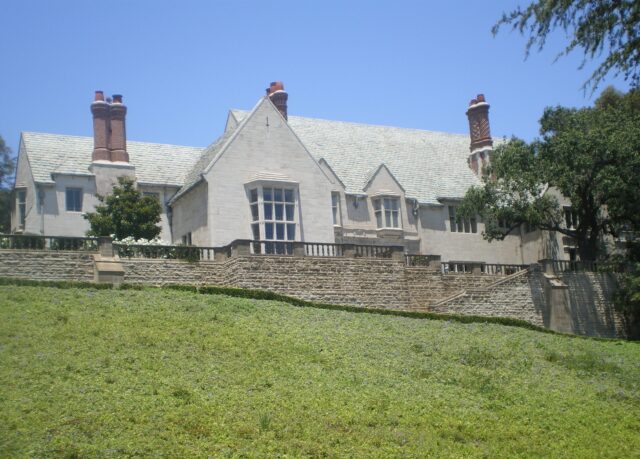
<point x="46" y="265"/>
<point x="159" y="272"/>
<point x="352" y="281"/>
<point x="591" y="303"/>
<point x="520" y="296"/>
<point x="377" y="283"/>
<point x="427" y="286"/>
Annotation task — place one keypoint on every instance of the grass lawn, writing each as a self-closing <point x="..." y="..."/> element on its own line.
<point x="98" y="373"/>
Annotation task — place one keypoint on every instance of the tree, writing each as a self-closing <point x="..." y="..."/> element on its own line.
<point x="125" y="213"/>
<point x="7" y="166"/>
<point x="611" y="27"/>
<point x="590" y="155"/>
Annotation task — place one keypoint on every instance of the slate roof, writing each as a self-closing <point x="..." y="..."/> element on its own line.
<point x="429" y="165"/>
<point x="155" y="163"/>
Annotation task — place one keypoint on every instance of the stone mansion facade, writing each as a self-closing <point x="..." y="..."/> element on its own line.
<point x="275" y="177"/>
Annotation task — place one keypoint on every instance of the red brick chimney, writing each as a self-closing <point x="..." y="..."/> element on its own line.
<point x="118" y="133"/>
<point x="278" y="96"/>
<point x="101" y="128"/>
<point x="480" y="133"/>
<point x="478" y="114"/>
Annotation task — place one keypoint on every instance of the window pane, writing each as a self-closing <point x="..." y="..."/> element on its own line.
<point x="387" y="219"/>
<point x="279" y="210"/>
<point x="289" y="209"/>
<point x="379" y="219"/>
<point x="288" y="195"/>
<point x="268" y="211"/>
<point x="74" y="199"/>
<point x="277" y="194"/>
<point x="253" y="195"/>
<point x="291" y="231"/>
<point x="335" y="215"/>
<point x="467" y="226"/>
<point x="255" y="228"/>
<point x="280" y="231"/>
<point x="254" y="212"/>
<point x="266" y="194"/>
<point x="395" y="204"/>
<point x="376" y="204"/>
<point x="268" y="230"/>
<point x="474" y="226"/>
<point x="395" y="220"/>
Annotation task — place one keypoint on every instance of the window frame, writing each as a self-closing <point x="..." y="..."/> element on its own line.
<point x="384" y="211"/>
<point x="336" y="208"/>
<point x="69" y="189"/>
<point x="21" y="207"/>
<point x="274" y="216"/>
<point x="458" y="224"/>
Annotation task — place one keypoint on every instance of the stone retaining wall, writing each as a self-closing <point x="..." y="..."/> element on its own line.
<point x="365" y="282"/>
<point x="46" y="265"/>
<point x="520" y="296"/>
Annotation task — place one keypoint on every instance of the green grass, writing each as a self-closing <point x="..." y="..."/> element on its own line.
<point x="167" y="373"/>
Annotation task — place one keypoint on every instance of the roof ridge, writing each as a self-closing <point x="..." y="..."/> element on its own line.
<point x="354" y="123"/>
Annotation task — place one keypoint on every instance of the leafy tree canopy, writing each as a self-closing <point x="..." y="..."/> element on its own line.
<point x="125" y="213"/>
<point x="609" y="27"/>
<point x="7" y="166"/>
<point x="590" y="155"/>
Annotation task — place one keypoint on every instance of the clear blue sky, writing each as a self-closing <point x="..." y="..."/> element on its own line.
<point x="182" y="64"/>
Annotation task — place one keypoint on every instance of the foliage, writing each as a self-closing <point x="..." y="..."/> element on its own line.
<point x="125" y="213"/>
<point x="96" y="373"/>
<point x="7" y="166"/>
<point x="590" y="155"/>
<point x="611" y="27"/>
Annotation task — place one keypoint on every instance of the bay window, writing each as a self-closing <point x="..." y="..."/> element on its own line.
<point x="273" y="218"/>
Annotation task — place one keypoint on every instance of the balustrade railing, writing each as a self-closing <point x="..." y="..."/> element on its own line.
<point x="29" y="242"/>
<point x="567" y="265"/>
<point x="373" y="251"/>
<point x="320" y="249"/>
<point x="491" y="269"/>
<point x="169" y="252"/>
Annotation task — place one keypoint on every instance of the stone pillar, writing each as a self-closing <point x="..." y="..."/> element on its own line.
<point x="397" y="253"/>
<point x="240" y="248"/>
<point x="557" y="296"/>
<point x="349" y="250"/>
<point x="298" y="249"/>
<point x="105" y="246"/>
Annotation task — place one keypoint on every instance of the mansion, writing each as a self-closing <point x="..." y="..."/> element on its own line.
<point x="275" y="177"/>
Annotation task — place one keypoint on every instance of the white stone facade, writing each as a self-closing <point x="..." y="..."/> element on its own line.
<point x="269" y="177"/>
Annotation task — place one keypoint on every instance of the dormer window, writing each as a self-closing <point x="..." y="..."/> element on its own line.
<point x="387" y="212"/>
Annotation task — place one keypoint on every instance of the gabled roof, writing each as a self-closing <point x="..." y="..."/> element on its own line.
<point x="157" y="164"/>
<point x="427" y="164"/>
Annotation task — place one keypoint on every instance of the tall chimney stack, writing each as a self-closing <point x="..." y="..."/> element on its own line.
<point x="278" y="96"/>
<point x="118" y="134"/>
<point x="478" y="114"/>
<point x="100" y="110"/>
<point x="480" y="133"/>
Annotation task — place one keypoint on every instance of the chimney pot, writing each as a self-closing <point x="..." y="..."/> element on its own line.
<point x="480" y="98"/>
<point x="99" y="97"/>
<point x="278" y="97"/>
<point x="117" y="98"/>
